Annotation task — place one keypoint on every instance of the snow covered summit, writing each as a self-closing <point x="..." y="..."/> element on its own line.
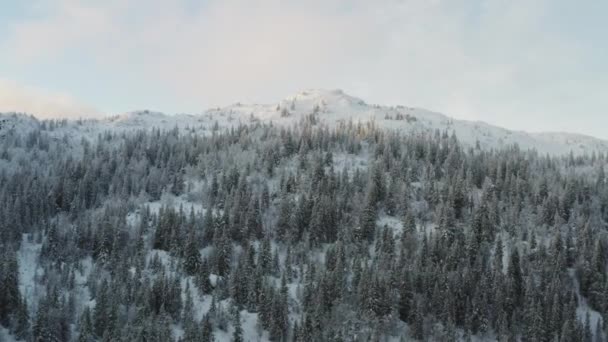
<point x="330" y="108"/>
<point x="334" y="106"/>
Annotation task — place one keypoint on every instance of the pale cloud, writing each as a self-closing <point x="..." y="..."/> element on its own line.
<point x="41" y="103"/>
<point x="492" y="60"/>
<point x="56" y="27"/>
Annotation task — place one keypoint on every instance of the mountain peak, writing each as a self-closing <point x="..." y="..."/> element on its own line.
<point x="324" y="97"/>
<point x="329" y="108"/>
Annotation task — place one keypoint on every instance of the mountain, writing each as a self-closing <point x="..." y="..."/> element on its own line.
<point x="335" y="106"/>
<point x="330" y="108"/>
<point x="113" y="230"/>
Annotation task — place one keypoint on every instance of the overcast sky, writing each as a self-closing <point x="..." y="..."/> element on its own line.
<point x="535" y="65"/>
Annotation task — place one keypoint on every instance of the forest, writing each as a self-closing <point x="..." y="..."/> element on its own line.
<point x="300" y="233"/>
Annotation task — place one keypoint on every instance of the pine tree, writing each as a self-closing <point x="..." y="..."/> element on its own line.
<point x="192" y="258"/>
<point x="516" y="283"/>
<point x="406" y="301"/>
<point x="379" y="297"/>
<point x="265" y="256"/>
<point x="206" y="330"/>
<point x="223" y="254"/>
<point x="22" y="321"/>
<point x="498" y="255"/>
<point x="237" y="335"/>
<point x="85" y="327"/>
<point x="587" y="333"/>
<point x="202" y="278"/>
<point x="284" y="220"/>
<point x="41" y="330"/>
<point x="367" y="223"/>
<point x="10" y="297"/>
<point x="417" y="324"/>
<point x="100" y="317"/>
<point x="409" y="224"/>
<point x="279" y="322"/>
<point x="599" y="332"/>
<point x="191" y="331"/>
<point x="377" y="188"/>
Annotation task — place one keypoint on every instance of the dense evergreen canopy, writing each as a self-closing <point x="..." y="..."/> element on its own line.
<point x="316" y="234"/>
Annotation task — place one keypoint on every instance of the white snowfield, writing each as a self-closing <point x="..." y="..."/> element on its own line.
<point x="330" y="108"/>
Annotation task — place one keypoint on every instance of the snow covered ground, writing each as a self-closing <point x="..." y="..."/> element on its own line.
<point x="583" y="308"/>
<point x="328" y="107"/>
<point x="29" y="271"/>
<point x="5" y="335"/>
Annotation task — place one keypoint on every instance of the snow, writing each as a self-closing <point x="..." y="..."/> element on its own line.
<point x="5" y="335"/>
<point x="331" y="108"/>
<point x="583" y="307"/>
<point x="334" y="107"/>
<point x="16" y="122"/>
<point x="202" y="304"/>
<point x="29" y="271"/>
<point x="83" y="294"/>
<point x="250" y="330"/>
<point x="169" y="200"/>
<point x="392" y="222"/>
<point x="350" y="162"/>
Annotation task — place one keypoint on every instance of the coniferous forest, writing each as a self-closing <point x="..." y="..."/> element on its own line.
<point x="301" y="233"/>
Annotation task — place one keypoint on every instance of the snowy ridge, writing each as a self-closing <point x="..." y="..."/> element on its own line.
<point x="16" y="122"/>
<point x="148" y="119"/>
<point x="335" y="106"/>
<point x="329" y="107"/>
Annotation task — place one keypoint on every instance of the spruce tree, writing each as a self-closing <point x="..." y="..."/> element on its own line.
<point x="237" y="335"/>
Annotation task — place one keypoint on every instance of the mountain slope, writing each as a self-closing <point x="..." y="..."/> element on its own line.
<point x="112" y="230"/>
<point x="331" y="108"/>
<point x="334" y="106"/>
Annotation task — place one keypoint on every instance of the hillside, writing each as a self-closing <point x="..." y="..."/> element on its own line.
<point x="258" y="223"/>
<point x="332" y="108"/>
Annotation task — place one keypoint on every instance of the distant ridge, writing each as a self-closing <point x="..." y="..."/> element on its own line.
<point x="330" y="107"/>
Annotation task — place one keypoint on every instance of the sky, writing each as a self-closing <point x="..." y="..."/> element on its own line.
<point x="534" y="65"/>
